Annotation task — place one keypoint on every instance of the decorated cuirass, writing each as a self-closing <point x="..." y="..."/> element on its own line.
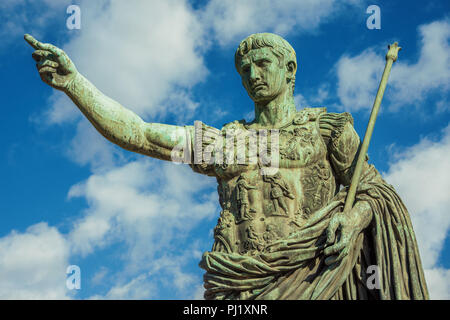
<point x="259" y="207"/>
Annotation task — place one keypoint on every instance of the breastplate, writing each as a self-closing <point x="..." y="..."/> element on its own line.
<point x="257" y="208"/>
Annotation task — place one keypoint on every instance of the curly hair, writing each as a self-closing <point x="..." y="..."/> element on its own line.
<point x="279" y="47"/>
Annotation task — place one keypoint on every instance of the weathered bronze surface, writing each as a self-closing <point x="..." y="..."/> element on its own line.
<point x="282" y="182"/>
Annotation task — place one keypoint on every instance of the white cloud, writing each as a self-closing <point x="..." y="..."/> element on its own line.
<point x="137" y="288"/>
<point x="319" y="98"/>
<point x="300" y="101"/>
<point x="199" y="292"/>
<point x="99" y="276"/>
<point x="33" y="264"/>
<point x="167" y="271"/>
<point x="146" y="205"/>
<point x="139" y="53"/>
<point x="88" y="147"/>
<point x="62" y="110"/>
<point x="438" y="283"/>
<point x="150" y="207"/>
<point x="421" y="175"/>
<point x="410" y="83"/>
<point x="413" y="81"/>
<point x="358" y="79"/>
<point x="232" y="20"/>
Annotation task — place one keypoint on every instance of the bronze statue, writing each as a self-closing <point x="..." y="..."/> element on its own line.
<point x="282" y="233"/>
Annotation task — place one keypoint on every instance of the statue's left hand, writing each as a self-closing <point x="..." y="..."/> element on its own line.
<point x="343" y="231"/>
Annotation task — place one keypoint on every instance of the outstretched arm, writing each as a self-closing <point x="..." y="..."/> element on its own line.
<point x="122" y="126"/>
<point x="116" y="123"/>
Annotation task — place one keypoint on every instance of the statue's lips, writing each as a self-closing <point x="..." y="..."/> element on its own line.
<point x="259" y="87"/>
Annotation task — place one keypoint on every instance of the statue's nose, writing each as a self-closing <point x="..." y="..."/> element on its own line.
<point x="254" y="74"/>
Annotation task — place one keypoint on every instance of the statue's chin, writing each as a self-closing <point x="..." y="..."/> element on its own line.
<point x="260" y="97"/>
<point x="263" y="96"/>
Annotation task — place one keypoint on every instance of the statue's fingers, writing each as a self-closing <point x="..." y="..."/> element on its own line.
<point x="336" y="258"/>
<point x="342" y="255"/>
<point x="46" y="76"/>
<point x="47" y="63"/>
<point x="32" y="41"/>
<point x="47" y="70"/>
<point x="40" y="55"/>
<point x="330" y="260"/>
<point x="331" y="231"/>
<point x="334" y="249"/>
<point x="49" y="47"/>
<point x="42" y="46"/>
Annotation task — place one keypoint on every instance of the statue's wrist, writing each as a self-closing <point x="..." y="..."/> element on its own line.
<point x="73" y="83"/>
<point x="364" y="214"/>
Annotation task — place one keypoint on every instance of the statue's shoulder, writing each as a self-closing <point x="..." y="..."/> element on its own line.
<point x="308" y="114"/>
<point x="333" y="124"/>
<point x="321" y="114"/>
<point x="335" y="119"/>
<point x="236" y="124"/>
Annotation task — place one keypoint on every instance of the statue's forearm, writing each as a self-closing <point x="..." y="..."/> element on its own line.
<point x="119" y="125"/>
<point x="122" y="126"/>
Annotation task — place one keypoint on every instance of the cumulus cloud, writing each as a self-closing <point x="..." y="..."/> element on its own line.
<point x="232" y="20"/>
<point x="438" y="283"/>
<point x="150" y="208"/>
<point x="167" y="271"/>
<point x="318" y="98"/>
<point x="135" y="289"/>
<point x="33" y="264"/>
<point x="135" y="202"/>
<point x="410" y="83"/>
<point x="413" y="81"/>
<point x="88" y="147"/>
<point x="358" y="79"/>
<point x="421" y="176"/>
<point x="138" y="56"/>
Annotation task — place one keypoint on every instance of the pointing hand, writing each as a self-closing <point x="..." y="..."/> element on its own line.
<point x="54" y="66"/>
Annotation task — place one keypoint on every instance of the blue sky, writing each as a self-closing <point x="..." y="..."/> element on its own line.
<point x="136" y="226"/>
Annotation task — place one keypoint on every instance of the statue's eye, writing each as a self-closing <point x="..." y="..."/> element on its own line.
<point x="245" y="68"/>
<point x="263" y="63"/>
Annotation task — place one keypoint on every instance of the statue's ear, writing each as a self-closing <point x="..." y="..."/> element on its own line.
<point x="291" y="67"/>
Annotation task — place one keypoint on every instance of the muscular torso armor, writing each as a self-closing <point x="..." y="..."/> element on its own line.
<point x="258" y="208"/>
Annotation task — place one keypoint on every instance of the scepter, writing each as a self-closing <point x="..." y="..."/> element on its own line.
<point x="391" y="57"/>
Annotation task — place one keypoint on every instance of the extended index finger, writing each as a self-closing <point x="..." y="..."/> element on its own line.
<point x="42" y="46"/>
<point x="32" y="41"/>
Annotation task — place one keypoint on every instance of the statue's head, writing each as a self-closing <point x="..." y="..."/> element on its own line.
<point x="267" y="64"/>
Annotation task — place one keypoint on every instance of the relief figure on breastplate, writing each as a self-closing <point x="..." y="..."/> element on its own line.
<point x="242" y="188"/>
<point x="279" y="189"/>
<point x="316" y="187"/>
<point x="253" y="243"/>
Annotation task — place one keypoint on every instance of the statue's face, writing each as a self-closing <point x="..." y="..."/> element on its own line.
<point x="262" y="76"/>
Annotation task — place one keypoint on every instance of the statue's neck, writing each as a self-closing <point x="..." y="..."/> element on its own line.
<point x="275" y="113"/>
